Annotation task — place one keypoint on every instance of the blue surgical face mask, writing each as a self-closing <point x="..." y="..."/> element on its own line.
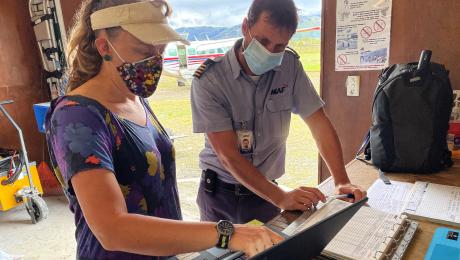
<point x="259" y="59"/>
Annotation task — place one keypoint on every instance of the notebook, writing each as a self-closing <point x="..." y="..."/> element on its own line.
<point x="434" y="202"/>
<point x="422" y="200"/>
<point x="370" y="234"/>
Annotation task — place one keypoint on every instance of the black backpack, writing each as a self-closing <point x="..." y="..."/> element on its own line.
<point x="410" y="118"/>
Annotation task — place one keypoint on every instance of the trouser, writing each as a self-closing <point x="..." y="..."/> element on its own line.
<point x="234" y="203"/>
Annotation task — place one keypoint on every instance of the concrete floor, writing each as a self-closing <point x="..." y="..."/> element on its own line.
<point x="52" y="238"/>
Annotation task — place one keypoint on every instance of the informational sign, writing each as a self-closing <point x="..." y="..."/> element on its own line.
<point x="363" y="34"/>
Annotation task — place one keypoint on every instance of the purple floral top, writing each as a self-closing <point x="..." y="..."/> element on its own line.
<point x="82" y="134"/>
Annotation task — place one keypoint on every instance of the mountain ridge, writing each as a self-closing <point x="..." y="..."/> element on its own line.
<point x="201" y="33"/>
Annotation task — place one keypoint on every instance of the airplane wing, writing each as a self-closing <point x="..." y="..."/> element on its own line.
<point x="218" y="43"/>
<point x="310" y="29"/>
<point x="173" y="73"/>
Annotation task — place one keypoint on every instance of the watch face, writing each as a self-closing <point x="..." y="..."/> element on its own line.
<point x="225" y="227"/>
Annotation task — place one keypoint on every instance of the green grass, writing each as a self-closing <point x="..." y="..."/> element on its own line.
<point x="172" y="106"/>
<point x="309" y="51"/>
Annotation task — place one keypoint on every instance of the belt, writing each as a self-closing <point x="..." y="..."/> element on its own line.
<point x="238" y="189"/>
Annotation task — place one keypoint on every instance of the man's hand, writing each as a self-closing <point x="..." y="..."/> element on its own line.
<point x="347" y="188"/>
<point x="301" y="198"/>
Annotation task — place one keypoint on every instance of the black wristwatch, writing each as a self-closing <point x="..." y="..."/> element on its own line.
<point x="225" y="230"/>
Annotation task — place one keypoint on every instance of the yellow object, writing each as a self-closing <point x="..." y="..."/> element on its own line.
<point x="7" y="198"/>
<point x="255" y="222"/>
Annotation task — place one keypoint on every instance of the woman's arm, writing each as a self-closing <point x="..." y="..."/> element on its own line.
<point x="104" y="209"/>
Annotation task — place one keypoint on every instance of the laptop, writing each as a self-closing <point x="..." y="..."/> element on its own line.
<point x="307" y="244"/>
<point x="311" y="241"/>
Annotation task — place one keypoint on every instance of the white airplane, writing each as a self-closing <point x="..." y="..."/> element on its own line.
<point x="180" y="61"/>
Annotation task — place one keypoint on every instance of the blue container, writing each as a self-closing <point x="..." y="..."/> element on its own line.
<point x="444" y="245"/>
<point x="40" y="113"/>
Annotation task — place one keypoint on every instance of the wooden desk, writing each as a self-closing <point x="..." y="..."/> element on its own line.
<point x="364" y="175"/>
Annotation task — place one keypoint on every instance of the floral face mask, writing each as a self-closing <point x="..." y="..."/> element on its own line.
<point x="141" y="77"/>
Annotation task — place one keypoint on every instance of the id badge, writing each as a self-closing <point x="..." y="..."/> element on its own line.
<point x="245" y="141"/>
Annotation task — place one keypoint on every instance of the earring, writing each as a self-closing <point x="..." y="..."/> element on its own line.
<point x="107" y="57"/>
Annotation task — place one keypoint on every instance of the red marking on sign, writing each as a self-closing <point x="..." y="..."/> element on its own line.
<point x="379" y="25"/>
<point x="366" y="32"/>
<point x="342" y="59"/>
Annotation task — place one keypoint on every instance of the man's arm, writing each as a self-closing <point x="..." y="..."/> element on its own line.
<point x="211" y="117"/>
<point x="331" y="151"/>
<point x="225" y="146"/>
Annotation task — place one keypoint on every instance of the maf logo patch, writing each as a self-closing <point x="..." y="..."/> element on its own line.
<point x="280" y="90"/>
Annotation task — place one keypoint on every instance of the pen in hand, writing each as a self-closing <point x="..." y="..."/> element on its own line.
<point x="341" y="196"/>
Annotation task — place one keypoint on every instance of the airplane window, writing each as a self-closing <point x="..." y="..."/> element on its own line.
<point x="191" y="51"/>
<point x="172" y="52"/>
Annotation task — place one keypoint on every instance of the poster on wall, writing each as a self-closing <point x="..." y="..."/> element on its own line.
<point x="363" y="34"/>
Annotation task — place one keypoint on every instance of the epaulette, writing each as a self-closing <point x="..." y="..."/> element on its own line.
<point x="291" y="50"/>
<point x="202" y="69"/>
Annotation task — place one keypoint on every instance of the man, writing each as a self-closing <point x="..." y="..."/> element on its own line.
<point x="251" y="92"/>
<point x="246" y="146"/>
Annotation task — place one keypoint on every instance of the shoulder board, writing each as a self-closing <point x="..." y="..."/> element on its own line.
<point x="291" y="50"/>
<point x="202" y="69"/>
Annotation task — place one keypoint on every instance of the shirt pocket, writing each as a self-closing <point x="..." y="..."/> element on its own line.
<point x="279" y="116"/>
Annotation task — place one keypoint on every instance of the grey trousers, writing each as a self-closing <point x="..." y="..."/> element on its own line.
<point x="225" y="204"/>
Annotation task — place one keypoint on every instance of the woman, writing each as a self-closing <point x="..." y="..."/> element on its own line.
<point x="112" y="156"/>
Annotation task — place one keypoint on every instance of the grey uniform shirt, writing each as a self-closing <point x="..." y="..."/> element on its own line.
<point x="225" y="96"/>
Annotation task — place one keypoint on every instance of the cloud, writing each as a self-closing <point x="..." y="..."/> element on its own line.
<point x="225" y="13"/>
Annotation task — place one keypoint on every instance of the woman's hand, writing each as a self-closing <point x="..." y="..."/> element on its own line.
<point x="253" y="240"/>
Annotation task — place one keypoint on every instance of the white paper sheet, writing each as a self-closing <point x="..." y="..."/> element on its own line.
<point x="363" y="34"/>
<point x="361" y="237"/>
<point x="436" y="202"/>
<point x="389" y="198"/>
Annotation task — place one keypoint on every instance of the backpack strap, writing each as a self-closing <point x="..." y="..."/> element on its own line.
<point x="447" y="161"/>
<point x="364" y="148"/>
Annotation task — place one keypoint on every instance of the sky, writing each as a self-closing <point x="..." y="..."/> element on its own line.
<point x="226" y="13"/>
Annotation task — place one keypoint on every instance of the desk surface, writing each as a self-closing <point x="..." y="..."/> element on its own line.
<point x="364" y="175"/>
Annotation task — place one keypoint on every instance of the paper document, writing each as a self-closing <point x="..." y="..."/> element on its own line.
<point x="389" y="198"/>
<point x="436" y="202"/>
<point x="327" y="187"/>
<point x="364" y="235"/>
<point x="312" y="216"/>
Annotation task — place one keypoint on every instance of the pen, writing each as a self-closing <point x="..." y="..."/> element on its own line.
<point x="341" y="196"/>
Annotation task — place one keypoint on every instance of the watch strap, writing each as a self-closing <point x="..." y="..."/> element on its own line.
<point x="223" y="241"/>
